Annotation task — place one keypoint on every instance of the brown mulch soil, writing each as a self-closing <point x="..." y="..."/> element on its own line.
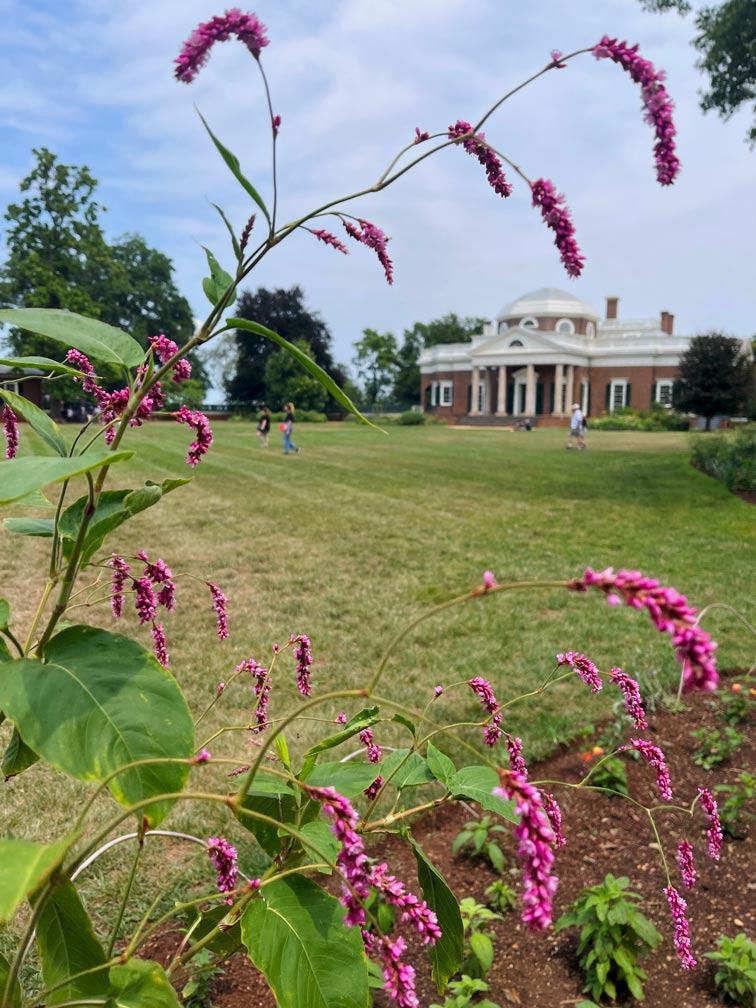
<point x="540" y="970"/>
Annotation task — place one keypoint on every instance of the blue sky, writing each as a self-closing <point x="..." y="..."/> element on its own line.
<point x="351" y="79"/>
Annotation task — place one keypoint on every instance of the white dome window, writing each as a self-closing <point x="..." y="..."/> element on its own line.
<point x="565" y="327"/>
<point x="528" y="322"/>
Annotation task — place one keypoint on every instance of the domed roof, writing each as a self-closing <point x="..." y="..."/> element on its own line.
<point x="547" y="301"/>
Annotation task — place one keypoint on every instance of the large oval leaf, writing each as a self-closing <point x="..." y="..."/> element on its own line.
<point x="37" y="419"/>
<point x="95" y="339"/>
<point x="67" y="947"/>
<point x="21" y="476"/>
<point x="140" y="983"/>
<point x="477" y="783"/>
<point x="98" y="702"/>
<point x="24" y="866"/>
<point x="296" y="935"/>
<point x="43" y="363"/>
<point x="446" y="954"/>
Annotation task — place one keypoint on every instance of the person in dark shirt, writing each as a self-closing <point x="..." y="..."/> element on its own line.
<point x="263" y="427"/>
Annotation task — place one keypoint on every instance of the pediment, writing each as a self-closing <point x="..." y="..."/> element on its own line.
<point x="531" y="340"/>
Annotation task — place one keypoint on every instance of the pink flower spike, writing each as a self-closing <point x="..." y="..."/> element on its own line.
<point x="475" y="144"/>
<point x="557" y="217"/>
<point x="678" y="906"/>
<point x="329" y="239"/>
<point x="655" y="758"/>
<point x="219" y="604"/>
<point x="372" y="236"/>
<point x="685" y="862"/>
<point x="341" y="718"/>
<point x="552" y="810"/>
<point x="303" y="656"/>
<point x="223" y="857"/>
<point x="145" y="601"/>
<point x="516" y="759"/>
<point x="631" y="695"/>
<point x="203" y="756"/>
<point x="233" y="23"/>
<point x="489" y="581"/>
<point x="420" y="136"/>
<point x="584" y="668"/>
<point x="373" y="751"/>
<point x="714" y="832"/>
<point x="118" y="580"/>
<point x="10" y="425"/>
<point x="201" y="425"/>
<point x="485" y="694"/>
<point x="158" y="637"/>
<point x="437" y="691"/>
<point x="373" y="788"/>
<point x="79" y="360"/>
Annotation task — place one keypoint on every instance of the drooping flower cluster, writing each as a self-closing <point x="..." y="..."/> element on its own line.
<point x="263" y="685"/>
<point x="685" y="862"/>
<point x="160" y="644"/>
<point x="372" y="236"/>
<point x="146" y="600"/>
<point x="247" y="232"/>
<point x="399" y="976"/>
<point x="485" y="694"/>
<point x="557" y="217"/>
<point x="420" y="135"/>
<point x="351" y="859"/>
<point x="201" y="425"/>
<point x="329" y="239"/>
<point x="552" y="810"/>
<point x="164" y="349"/>
<point x="474" y="143"/>
<point x="678" y="906"/>
<point x="631" y="695"/>
<point x="536" y="840"/>
<point x="117" y="583"/>
<point x="657" y="104"/>
<point x="413" y="911"/>
<point x="670" y="614"/>
<point x="10" y="427"/>
<point x="303" y="657"/>
<point x="220" y="603"/>
<point x="196" y="49"/>
<point x="516" y="759"/>
<point x="584" y="668"/>
<point x="371" y="791"/>
<point x="655" y="758"/>
<point x="223" y="857"/>
<point x="79" y="360"/>
<point x="158" y="573"/>
<point x="714" y="832"/>
<point x="373" y="752"/>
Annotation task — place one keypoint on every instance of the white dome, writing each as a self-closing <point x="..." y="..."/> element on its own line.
<point x="546" y="302"/>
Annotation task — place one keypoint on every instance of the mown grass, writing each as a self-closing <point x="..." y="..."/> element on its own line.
<point x="363" y="531"/>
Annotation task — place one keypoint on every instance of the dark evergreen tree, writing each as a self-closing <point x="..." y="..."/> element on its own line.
<point x="716" y="377"/>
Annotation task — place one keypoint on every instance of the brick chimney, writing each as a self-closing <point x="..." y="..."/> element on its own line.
<point x="611" y="307"/>
<point x="667" y="323"/>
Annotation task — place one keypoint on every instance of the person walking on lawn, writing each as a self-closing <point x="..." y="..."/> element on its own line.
<point x="287" y="427"/>
<point x="576" y="428"/>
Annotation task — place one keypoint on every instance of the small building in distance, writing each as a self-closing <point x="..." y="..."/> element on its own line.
<point x="26" y="382"/>
<point x="546" y="351"/>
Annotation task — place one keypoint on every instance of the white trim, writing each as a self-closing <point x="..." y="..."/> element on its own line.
<point x="445" y="393"/>
<point x="617" y="385"/>
<point x="569" y="331"/>
<point x="666" y="385"/>
<point x="584" y="390"/>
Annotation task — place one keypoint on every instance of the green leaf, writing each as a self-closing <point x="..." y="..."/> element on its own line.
<point x="295" y="934"/>
<point x="20" y="476"/>
<point x="440" y="765"/>
<point x="42" y="527"/>
<point x="325" y="845"/>
<point x="307" y="363"/>
<point x="495" y="857"/>
<point x="113" y="508"/>
<point x="233" y="163"/>
<point x="409" y="725"/>
<point x="5" y="611"/>
<point x="216" y="285"/>
<point x="446" y="954"/>
<point x="37" y="419"/>
<point x="227" y="938"/>
<point x="44" y="363"/>
<point x="646" y="931"/>
<point x="98" y="702"/>
<point x="17" y="757"/>
<point x="364" y="719"/>
<point x="280" y="806"/>
<point x="477" y="783"/>
<point x="349" y="779"/>
<point x="67" y="946"/>
<point x="234" y="240"/>
<point x="15" y="999"/>
<point x="482" y="949"/>
<point x="95" y="339"/>
<point x="140" y="983"/>
<point x="412" y="769"/>
<point x="24" y="866"/>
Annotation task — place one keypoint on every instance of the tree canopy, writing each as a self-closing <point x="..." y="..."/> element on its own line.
<point x="376" y="362"/>
<point x="716" y="377"/>
<point x="283" y="311"/>
<point x="725" y="34"/>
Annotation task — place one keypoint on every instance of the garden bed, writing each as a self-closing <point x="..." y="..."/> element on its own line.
<point x="540" y="970"/>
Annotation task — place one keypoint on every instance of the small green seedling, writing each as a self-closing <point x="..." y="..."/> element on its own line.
<point x="736" y="976"/>
<point x="462" y="992"/>
<point x="501" y="897"/>
<point x="714" y="746"/>
<point x="478" y="938"/>
<point x="733" y="811"/>
<point x="480" y="836"/>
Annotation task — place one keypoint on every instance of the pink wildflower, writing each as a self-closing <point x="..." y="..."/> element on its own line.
<point x="556" y="59"/>
<point x="275" y="124"/>
<point x="670" y="614"/>
<point x="489" y="581"/>
<point x="414" y="911"/>
<point x="656" y="102"/>
<point x="329" y="239"/>
<point x="164" y="349"/>
<point x="714" y="832"/>
<point x="399" y="977"/>
<point x="536" y="838"/>
<point x="263" y="685"/>
<point x="373" y="751"/>
<point x="219" y="604"/>
<point x="158" y="573"/>
<point x="584" y="668"/>
<point x="516" y="759"/>
<point x="196" y="49"/>
<point x="79" y="360"/>
<point x="485" y="694"/>
<point x="182" y="371"/>
<point x="158" y="637"/>
<point x="304" y="660"/>
<point x="223" y="857"/>
<point x="145" y="601"/>
<point x="10" y="426"/>
<point x="371" y="791"/>
<point x="685" y="862"/>
<point x="437" y="691"/>
<point x="351" y="859"/>
<point x="557" y="217"/>
<point x="474" y="143"/>
<point x="341" y="718"/>
<point x="420" y="136"/>
<point x="203" y="756"/>
<point x="678" y="906"/>
<point x="372" y="236"/>
<point x="631" y="695"/>
<point x="118" y="580"/>
<point x="655" y="758"/>
<point x="552" y="810"/>
<point x="247" y="232"/>
<point x="201" y="425"/>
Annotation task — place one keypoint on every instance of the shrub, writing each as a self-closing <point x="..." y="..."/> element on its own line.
<point x="478" y="938"/>
<point x="729" y="458"/>
<point x="736" y="975"/>
<point x="714" y="747"/>
<point x="411" y="418"/>
<point x="655" y="419"/>
<point x="614" y="934"/>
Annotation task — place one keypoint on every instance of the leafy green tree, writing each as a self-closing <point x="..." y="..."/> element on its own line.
<point x="716" y="377"/>
<point x="376" y="363"/>
<point x="725" y="34"/>
<point x="285" y="313"/>
<point x="287" y="381"/>
<point x="450" y="328"/>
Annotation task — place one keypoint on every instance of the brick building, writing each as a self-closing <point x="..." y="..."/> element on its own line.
<point x="545" y="351"/>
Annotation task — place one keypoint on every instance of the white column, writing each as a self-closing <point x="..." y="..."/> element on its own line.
<point x="474" y="411"/>
<point x="558" y="383"/>
<point x="501" y="399"/>
<point x="530" y="392"/>
<point x="570" y="386"/>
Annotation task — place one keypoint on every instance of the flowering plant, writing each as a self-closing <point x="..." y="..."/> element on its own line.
<point x="98" y="706"/>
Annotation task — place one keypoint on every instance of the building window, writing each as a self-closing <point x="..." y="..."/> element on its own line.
<point x="482" y="397"/>
<point x="528" y="322"/>
<point x="503" y="327"/>
<point x="516" y="342"/>
<point x="664" y="392"/>
<point x="617" y="394"/>
<point x="565" y="327"/>
<point x="590" y="330"/>
<point x="445" y="393"/>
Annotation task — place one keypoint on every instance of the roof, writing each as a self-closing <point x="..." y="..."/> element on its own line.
<point x="547" y="301"/>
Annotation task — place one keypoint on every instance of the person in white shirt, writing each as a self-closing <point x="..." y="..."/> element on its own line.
<point x="576" y="428"/>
